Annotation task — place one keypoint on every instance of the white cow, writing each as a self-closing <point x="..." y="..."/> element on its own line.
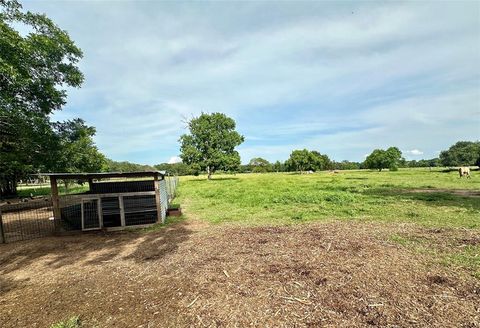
<point x="464" y="171"/>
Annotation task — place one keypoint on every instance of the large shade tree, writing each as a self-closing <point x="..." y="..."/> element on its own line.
<point x="211" y="143"/>
<point x="260" y="165"/>
<point x="461" y="153"/>
<point x="35" y="68"/>
<point x="76" y="151"/>
<point x="305" y="160"/>
<point x="384" y="159"/>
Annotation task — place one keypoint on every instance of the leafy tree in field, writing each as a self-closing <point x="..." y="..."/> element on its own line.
<point x="259" y="164"/>
<point x="299" y="160"/>
<point x="305" y="160"/>
<point x="461" y="153"/>
<point x="278" y="166"/>
<point x="76" y="150"/>
<point x="381" y="159"/>
<point x="211" y="143"/>
<point x="33" y="69"/>
<point x="346" y="165"/>
<point x="320" y="162"/>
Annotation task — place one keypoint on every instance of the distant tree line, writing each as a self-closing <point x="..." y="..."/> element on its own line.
<point x="462" y="153"/>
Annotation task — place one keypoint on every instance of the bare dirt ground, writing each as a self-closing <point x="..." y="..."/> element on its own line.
<point x="340" y="274"/>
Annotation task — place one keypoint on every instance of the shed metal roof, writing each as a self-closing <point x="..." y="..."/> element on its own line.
<point x="103" y="175"/>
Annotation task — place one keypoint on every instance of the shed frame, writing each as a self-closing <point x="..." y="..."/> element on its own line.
<point x="158" y="184"/>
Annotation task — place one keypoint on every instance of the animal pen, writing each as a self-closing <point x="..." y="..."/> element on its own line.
<point x="110" y="201"/>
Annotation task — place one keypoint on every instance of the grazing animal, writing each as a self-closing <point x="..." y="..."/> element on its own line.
<point x="464" y="171"/>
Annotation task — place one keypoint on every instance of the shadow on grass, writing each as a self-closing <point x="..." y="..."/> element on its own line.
<point x="433" y="198"/>
<point x="95" y="248"/>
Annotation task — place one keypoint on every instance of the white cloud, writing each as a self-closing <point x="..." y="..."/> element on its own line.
<point x="174" y="159"/>
<point x="414" y="152"/>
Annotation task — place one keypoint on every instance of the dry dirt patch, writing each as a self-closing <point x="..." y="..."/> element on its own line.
<point x="331" y="275"/>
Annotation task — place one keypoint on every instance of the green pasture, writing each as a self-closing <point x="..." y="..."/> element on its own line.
<point x="423" y="196"/>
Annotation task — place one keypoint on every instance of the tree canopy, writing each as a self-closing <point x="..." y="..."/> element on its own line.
<point x="211" y="143"/>
<point x="462" y="153"/>
<point x="382" y="159"/>
<point x="76" y="151"/>
<point x="260" y="165"/>
<point x="35" y="68"/>
<point x="305" y="160"/>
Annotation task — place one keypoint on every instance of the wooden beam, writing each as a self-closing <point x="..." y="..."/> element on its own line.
<point x="111" y="194"/>
<point x="55" y="201"/>
<point x="104" y="175"/>
<point x="157" y="199"/>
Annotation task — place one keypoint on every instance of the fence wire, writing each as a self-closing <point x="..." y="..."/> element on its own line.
<point x="26" y="220"/>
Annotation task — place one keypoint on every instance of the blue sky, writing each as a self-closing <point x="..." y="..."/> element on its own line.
<point x="342" y="78"/>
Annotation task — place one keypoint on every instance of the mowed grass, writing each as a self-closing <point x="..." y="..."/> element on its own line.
<point x="429" y="198"/>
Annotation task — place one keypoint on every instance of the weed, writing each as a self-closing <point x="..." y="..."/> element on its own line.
<point x="73" y="322"/>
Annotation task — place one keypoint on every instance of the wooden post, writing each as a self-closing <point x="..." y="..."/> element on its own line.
<point x="2" y="233"/>
<point x="122" y="210"/>
<point x="157" y="199"/>
<point x="55" y="201"/>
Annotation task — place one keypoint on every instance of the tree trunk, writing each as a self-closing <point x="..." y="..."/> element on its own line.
<point x="8" y="187"/>
<point x="209" y="172"/>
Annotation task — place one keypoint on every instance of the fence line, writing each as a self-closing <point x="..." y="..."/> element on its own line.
<point x="172" y="183"/>
<point x="27" y="220"/>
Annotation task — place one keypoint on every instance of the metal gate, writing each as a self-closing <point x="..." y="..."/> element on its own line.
<point x="92" y="214"/>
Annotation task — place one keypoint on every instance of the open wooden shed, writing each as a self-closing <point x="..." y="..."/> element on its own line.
<point x="114" y="200"/>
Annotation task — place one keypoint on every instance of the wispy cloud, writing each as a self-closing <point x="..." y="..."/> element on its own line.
<point x="342" y="78"/>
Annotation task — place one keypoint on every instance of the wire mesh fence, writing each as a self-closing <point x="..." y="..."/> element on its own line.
<point x="26" y="220"/>
<point x="105" y="204"/>
<point x="171" y="185"/>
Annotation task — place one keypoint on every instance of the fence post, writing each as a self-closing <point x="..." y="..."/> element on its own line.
<point x="2" y="233"/>
<point x="122" y="210"/>
<point x="55" y="203"/>
<point x="157" y="198"/>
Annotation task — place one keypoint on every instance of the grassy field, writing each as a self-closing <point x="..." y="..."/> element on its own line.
<point x="428" y="198"/>
<point x="44" y="190"/>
